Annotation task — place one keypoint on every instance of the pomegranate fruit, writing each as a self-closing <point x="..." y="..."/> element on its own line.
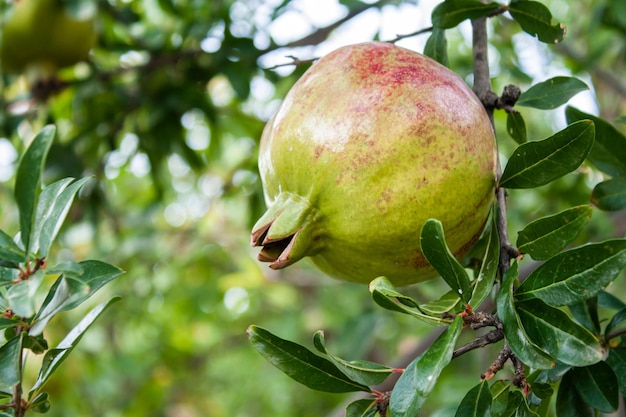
<point x="369" y="143"/>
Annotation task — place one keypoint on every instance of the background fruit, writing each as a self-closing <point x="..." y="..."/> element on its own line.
<point x="371" y="142"/>
<point x="41" y="36"/>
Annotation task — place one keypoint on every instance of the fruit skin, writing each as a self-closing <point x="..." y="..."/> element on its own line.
<point x="372" y="141"/>
<point x="41" y="36"/>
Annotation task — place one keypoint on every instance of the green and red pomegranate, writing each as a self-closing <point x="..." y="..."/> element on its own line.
<point x="372" y="141"/>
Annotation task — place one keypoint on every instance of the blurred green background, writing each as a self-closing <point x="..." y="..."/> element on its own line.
<point x="166" y="115"/>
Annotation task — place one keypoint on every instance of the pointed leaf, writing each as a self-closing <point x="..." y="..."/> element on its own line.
<point x="568" y="401"/>
<point x="67" y="293"/>
<point x="516" y="127"/>
<point x="45" y="201"/>
<point x="537" y="163"/>
<point x="40" y="404"/>
<point x="437" y="46"/>
<point x="597" y="386"/>
<point x="586" y="313"/>
<point x="554" y="332"/>
<point x="617" y="362"/>
<point x="436" y="251"/>
<point x="53" y="215"/>
<point x="577" y="274"/>
<point x="21" y="296"/>
<point x="551" y="93"/>
<point x="536" y="19"/>
<point x="609" y="149"/>
<point x="545" y="237"/>
<point x="447" y="303"/>
<point x="70" y="269"/>
<point x="360" y="371"/>
<point x="301" y="364"/>
<point x="385" y="295"/>
<point x="450" y="13"/>
<point x="500" y="397"/>
<point x="10" y="361"/>
<point x="9" y="251"/>
<point x="610" y="195"/>
<point x="617" y="321"/>
<point x="28" y="180"/>
<point x="419" y="378"/>
<point x="55" y="357"/>
<point x="514" y="332"/>
<point x="483" y="284"/>
<point x="361" y="408"/>
<point x="477" y="402"/>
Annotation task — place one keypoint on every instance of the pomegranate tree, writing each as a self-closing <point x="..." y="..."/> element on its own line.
<point x="371" y="142"/>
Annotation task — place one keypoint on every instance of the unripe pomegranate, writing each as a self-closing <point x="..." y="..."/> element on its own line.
<point x="372" y="141"/>
<point x="41" y="37"/>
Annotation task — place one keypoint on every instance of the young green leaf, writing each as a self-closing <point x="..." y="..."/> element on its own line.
<point x="437" y="46"/>
<point x="361" y="408"/>
<point x="476" y="403"/>
<point x="536" y="19"/>
<point x="554" y="332"/>
<point x="40" y="404"/>
<point x="55" y="357"/>
<point x="514" y="332"/>
<point x="610" y="195"/>
<point x="500" y="397"/>
<point x="483" y="284"/>
<point x="301" y="364"/>
<point x="586" y="313"/>
<point x="52" y="209"/>
<point x="69" y="292"/>
<point x="597" y="386"/>
<point x="609" y="149"/>
<point x="450" y="13"/>
<point x="617" y="321"/>
<point x="361" y="371"/>
<point x="447" y="303"/>
<point x="568" y="401"/>
<point x="516" y="127"/>
<point x="551" y="93"/>
<point x="537" y="163"/>
<point x="436" y="251"/>
<point x="575" y="275"/>
<point x="547" y="236"/>
<point x="21" y="296"/>
<point x="419" y="378"/>
<point x="10" y="361"/>
<point x="9" y="251"/>
<point x="28" y="181"/>
<point x="385" y="295"/>
<point x="617" y="361"/>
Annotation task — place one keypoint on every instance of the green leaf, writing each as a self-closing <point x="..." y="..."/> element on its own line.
<point x="28" y="180"/>
<point x="70" y="269"/>
<point x="385" y="295"/>
<point x="419" y="378"/>
<point x="607" y="300"/>
<point x="436" y="251"/>
<point x="361" y="408"/>
<point x="10" y="354"/>
<point x="55" y="357"/>
<point x="617" y="361"/>
<point x="597" y="386"/>
<point x="514" y="332"/>
<point x="586" y="313"/>
<point x="40" y="404"/>
<point x="452" y="12"/>
<point x="516" y="127"/>
<point x="609" y="149"/>
<point x="476" y="403"/>
<point x="360" y="371"/>
<point x="536" y="19"/>
<point x="500" y="397"/>
<point x="547" y="236"/>
<point x="68" y="293"/>
<point x="610" y="195"/>
<point x="54" y="204"/>
<point x="568" y="401"/>
<point x="9" y="250"/>
<point x="437" y="46"/>
<point x="551" y="93"/>
<point x="483" y="284"/>
<point x="616" y="322"/>
<point x="537" y="163"/>
<point x="21" y="296"/>
<point x="577" y="274"/>
<point x="554" y="332"/>
<point x="447" y="303"/>
<point x="301" y="364"/>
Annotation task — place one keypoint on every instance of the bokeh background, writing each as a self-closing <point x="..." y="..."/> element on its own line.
<point x="166" y="114"/>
